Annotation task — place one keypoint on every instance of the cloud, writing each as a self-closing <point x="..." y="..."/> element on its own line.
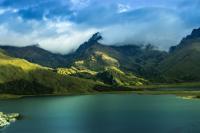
<point x="123" y="8"/>
<point x="6" y="10"/>
<point x="162" y="29"/>
<point x="68" y="37"/>
<point x="62" y="25"/>
<point x="56" y="36"/>
<point x="79" y="4"/>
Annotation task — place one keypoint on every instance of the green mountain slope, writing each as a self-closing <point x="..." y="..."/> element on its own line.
<point x="37" y="55"/>
<point x="114" y="76"/>
<point x="136" y="59"/>
<point x="110" y="75"/>
<point x="183" y="62"/>
<point x="18" y="76"/>
<point x="97" y="62"/>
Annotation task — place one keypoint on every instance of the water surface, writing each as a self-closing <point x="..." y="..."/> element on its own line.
<point x="106" y="113"/>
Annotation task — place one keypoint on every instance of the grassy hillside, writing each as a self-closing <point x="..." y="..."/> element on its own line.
<point x="37" y="55"/>
<point x="98" y="65"/>
<point x="97" y="61"/>
<point x="18" y="76"/>
<point x="137" y="59"/>
<point x="182" y="64"/>
<point x="114" y="76"/>
<point x="109" y="75"/>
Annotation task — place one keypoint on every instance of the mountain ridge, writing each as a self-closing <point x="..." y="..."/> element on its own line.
<point x="142" y="61"/>
<point x="182" y="64"/>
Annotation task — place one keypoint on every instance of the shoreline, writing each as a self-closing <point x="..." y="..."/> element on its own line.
<point x="178" y="93"/>
<point x="191" y="90"/>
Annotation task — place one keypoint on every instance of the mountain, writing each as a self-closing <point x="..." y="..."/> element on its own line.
<point x="139" y="60"/>
<point x="183" y="61"/>
<point x="32" y="70"/>
<point x="145" y="63"/>
<point x="37" y="55"/>
<point x="18" y="76"/>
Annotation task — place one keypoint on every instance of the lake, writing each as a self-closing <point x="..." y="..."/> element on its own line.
<point x="104" y="113"/>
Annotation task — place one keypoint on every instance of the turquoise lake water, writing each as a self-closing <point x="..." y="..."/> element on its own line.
<point x="106" y="113"/>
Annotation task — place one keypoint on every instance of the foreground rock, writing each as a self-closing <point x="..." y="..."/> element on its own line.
<point x="6" y="119"/>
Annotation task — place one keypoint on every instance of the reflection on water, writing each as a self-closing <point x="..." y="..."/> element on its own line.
<point x="108" y="113"/>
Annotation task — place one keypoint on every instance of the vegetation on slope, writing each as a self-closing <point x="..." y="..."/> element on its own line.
<point x="137" y="59"/>
<point x="109" y="75"/>
<point x="37" y="55"/>
<point x="18" y="76"/>
<point x="97" y="61"/>
<point x="182" y="64"/>
<point x="116" y="77"/>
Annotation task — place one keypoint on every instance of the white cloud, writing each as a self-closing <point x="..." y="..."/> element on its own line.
<point x="79" y="4"/>
<point x="123" y="8"/>
<point x="5" y="10"/>
<point x="56" y="36"/>
<point x="68" y="37"/>
<point x="163" y="31"/>
<point x="67" y="42"/>
<point x="2" y="11"/>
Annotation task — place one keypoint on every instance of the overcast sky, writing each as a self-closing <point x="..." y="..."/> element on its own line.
<point x="62" y="25"/>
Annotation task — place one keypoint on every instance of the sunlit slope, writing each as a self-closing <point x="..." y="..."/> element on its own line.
<point x="18" y="76"/>
<point x="101" y="67"/>
<point x="13" y="68"/>
<point x="37" y="55"/>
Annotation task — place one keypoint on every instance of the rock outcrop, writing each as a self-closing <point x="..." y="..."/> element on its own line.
<point x="6" y="119"/>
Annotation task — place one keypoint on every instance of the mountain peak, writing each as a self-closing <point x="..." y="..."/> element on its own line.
<point x="188" y="40"/>
<point x="34" y="45"/>
<point x="195" y="34"/>
<point x="95" y="37"/>
<point x="92" y="41"/>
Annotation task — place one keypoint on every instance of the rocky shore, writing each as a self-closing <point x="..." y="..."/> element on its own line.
<point x="6" y="119"/>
